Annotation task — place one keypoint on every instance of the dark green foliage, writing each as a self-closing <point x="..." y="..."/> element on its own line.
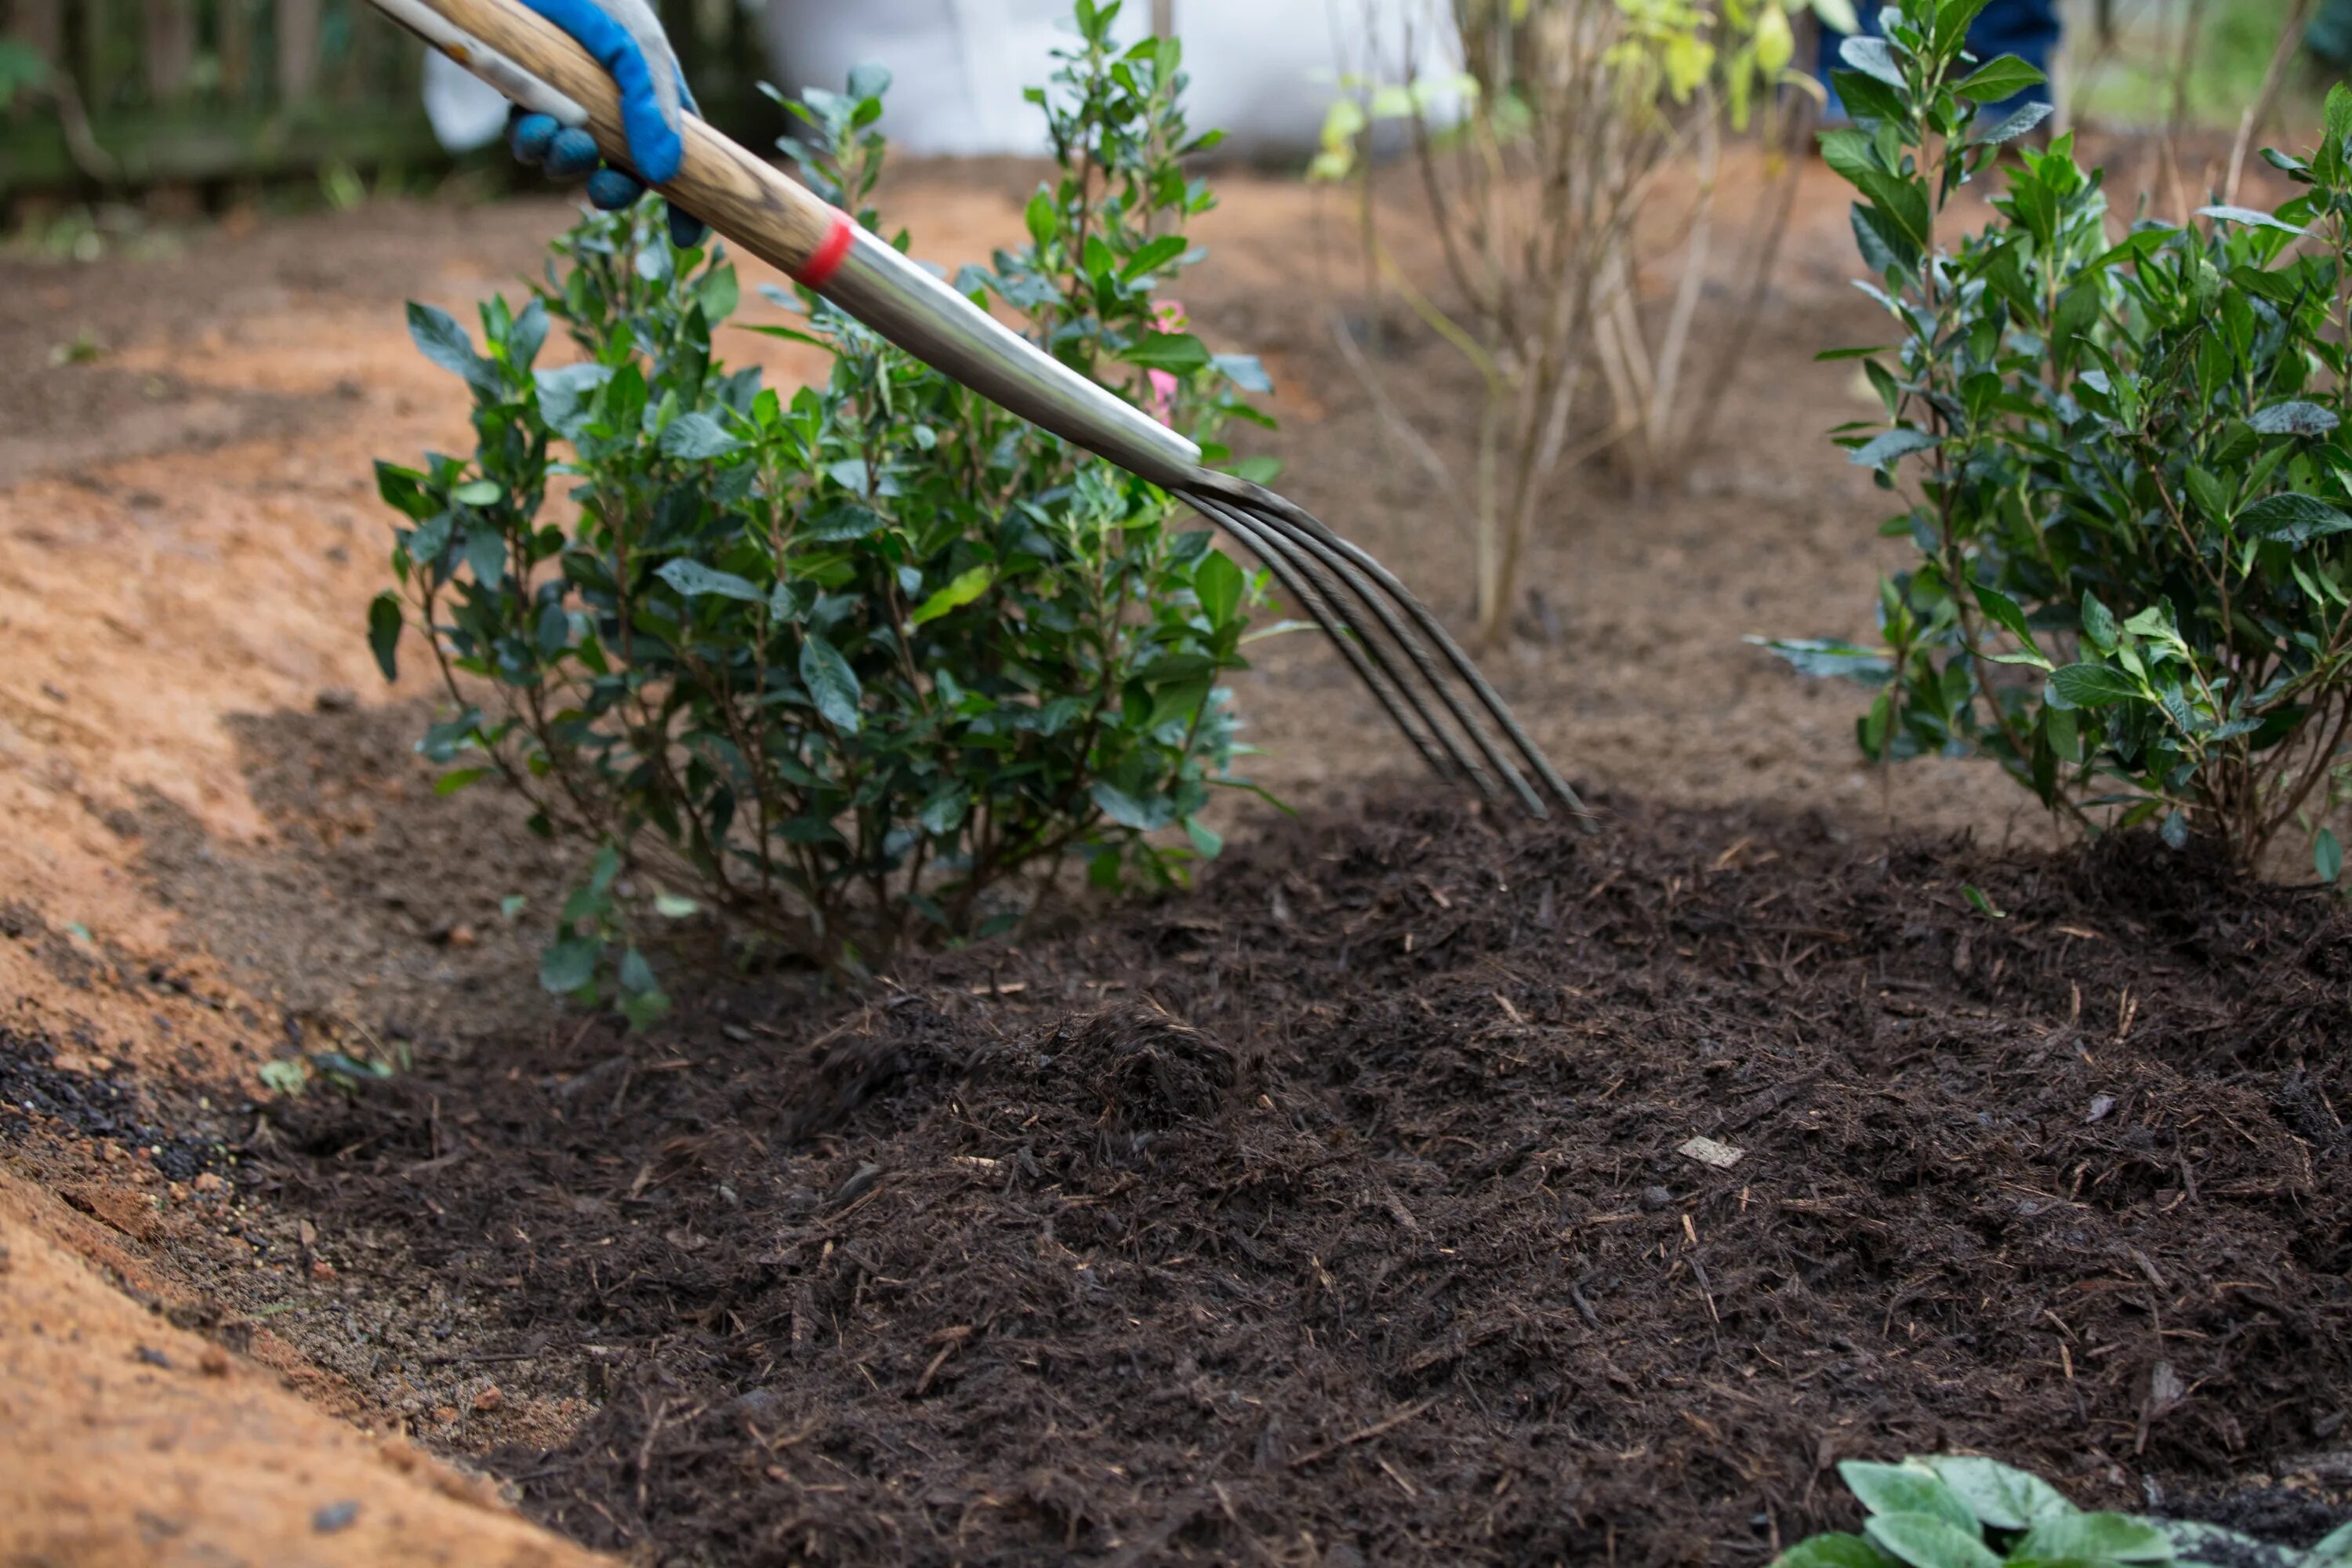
<point x="862" y="664"/>
<point x="1963" y="1511"/>
<point x="2127" y="462"/>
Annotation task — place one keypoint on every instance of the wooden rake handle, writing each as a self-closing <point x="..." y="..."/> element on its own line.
<point x="755" y="205"/>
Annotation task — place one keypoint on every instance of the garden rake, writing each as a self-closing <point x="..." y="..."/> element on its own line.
<point x="1384" y="633"/>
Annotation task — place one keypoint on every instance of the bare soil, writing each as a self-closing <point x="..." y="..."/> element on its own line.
<point x="1333" y="1214"/>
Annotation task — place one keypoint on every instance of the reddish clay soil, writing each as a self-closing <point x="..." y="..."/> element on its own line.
<point x="1333" y="1214"/>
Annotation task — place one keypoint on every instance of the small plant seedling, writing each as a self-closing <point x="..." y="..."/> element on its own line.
<point x="1964" y="1510"/>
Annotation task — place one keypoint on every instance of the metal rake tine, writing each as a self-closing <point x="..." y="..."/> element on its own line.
<point x="1264" y="501"/>
<point x="1328" y="609"/>
<point x="1340" y="567"/>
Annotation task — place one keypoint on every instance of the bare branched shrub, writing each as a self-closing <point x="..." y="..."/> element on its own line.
<point x="1575" y="118"/>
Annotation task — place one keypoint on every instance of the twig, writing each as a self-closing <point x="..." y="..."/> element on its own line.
<point x="1391" y="414"/>
<point x="1389" y="1424"/>
<point x="2249" y="124"/>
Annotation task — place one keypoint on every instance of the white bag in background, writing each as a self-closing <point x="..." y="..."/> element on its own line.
<point x="1265" y="71"/>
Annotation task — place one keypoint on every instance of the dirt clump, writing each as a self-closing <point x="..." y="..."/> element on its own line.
<point x="1341" y="1211"/>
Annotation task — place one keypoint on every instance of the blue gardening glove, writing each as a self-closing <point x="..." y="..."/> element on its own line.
<point x="627" y="39"/>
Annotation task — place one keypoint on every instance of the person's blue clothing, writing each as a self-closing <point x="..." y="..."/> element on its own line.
<point x="2026" y="28"/>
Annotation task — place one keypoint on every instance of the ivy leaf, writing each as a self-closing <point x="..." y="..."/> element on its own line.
<point x="966" y="588"/>
<point x="2091" y="686"/>
<point x="831" y="683"/>
<point x="2291" y="518"/>
<point x="441" y="340"/>
<point x="693" y="579"/>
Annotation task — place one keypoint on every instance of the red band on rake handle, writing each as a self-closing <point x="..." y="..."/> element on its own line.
<point x="827" y="259"/>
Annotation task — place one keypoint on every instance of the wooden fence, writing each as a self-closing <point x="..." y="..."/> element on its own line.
<point x="200" y="92"/>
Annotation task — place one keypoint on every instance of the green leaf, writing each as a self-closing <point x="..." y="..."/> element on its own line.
<point x="1999" y="1494"/>
<point x="2004" y="613"/>
<point x="2327" y="856"/>
<point x="2335" y="1549"/>
<point x="1872" y="58"/>
<point x="2296" y="419"/>
<point x="1245" y="371"/>
<point x="1930" y="1540"/>
<point x="568" y="964"/>
<point x="2291" y="518"/>
<point x="479" y="492"/>
<point x="2098" y="622"/>
<point x="2013" y="124"/>
<point x="697" y="438"/>
<point x="1998" y="80"/>
<point x="441" y="340"/>
<point x="451" y="782"/>
<point x="1043" y="218"/>
<point x="643" y="1009"/>
<point x="2091" y="686"/>
<point x="1179" y="354"/>
<point x="831" y="683"/>
<point x="1889" y="444"/>
<point x="1903" y="1489"/>
<point x="567" y="397"/>
<point x="1152" y="254"/>
<point x="1822" y="656"/>
<point x="635" y="973"/>
<point x="674" y="907"/>
<point x="693" y="579"/>
<point x="1981" y="902"/>
<point x="1128" y="812"/>
<point x="2252" y="217"/>
<point x="967" y="586"/>
<point x="1217" y="583"/>
<point x="2094" y="1538"/>
<point x="2212" y="497"/>
<point x="385" y="621"/>
<point x="1833" y="1550"/>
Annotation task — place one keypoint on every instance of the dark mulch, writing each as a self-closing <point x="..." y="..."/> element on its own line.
<point x="1335" y="1215"/>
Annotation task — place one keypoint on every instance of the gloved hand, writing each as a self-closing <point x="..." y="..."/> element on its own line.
<point x="626" y="39"/>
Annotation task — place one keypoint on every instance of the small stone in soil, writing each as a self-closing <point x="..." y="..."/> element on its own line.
<point x="337" y="700"/>
<point x="152" y="1357"/>
<point x="1657" y="1198"/>
<point x="489" y="1399"/>
<point x="335" y="1516"/>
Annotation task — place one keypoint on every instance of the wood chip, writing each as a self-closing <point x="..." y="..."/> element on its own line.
<point x="1707" y="1151"/>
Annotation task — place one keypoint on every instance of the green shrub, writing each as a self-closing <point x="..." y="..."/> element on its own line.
<point x="862" y="664"/>
<point x="2124" y="459"/>
<point x="1962" y="1511"/>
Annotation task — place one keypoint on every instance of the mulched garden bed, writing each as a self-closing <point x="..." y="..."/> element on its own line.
<point x="1339" y="1213"/>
